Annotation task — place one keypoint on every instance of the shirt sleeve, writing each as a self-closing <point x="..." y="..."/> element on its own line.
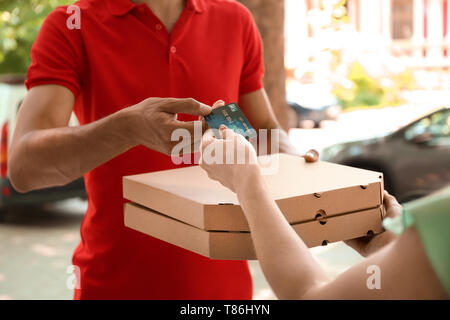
<point x="253" y="66"/>
<point x="56" y="55"/>
<point x="431" y="217"/>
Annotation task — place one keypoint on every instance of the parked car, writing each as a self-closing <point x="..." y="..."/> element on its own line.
<point x="313" y="103"/>
<point x="12" y="92"/>
<point x="312" y="117"/>
<point x="415" y="159"/>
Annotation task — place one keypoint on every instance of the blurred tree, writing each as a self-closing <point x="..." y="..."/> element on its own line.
<point x="368" y="91"/>
<point x="269" y="17"/>
<point x="20" y="21"/>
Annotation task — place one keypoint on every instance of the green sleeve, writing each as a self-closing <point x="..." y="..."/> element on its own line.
<point x="431" y="218"/>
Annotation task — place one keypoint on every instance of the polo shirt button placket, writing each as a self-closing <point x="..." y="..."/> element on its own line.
<point x="172" y="52"/>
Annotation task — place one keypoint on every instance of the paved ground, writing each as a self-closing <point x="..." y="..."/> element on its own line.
<point x="35" y="250"/>
<point x="36" y="245"/>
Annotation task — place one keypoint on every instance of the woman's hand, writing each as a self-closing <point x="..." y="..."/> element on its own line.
<point x="370" y="244"/>
<point x="230" y="159"/>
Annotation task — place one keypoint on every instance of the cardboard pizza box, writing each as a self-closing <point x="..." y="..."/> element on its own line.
<point x="225" y="245"/>
<point x="303" y="191"/>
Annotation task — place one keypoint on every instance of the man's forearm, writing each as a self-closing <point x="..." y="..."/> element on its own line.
<point x="53" y="157"/>
<point x="284" y="144"/>
<point x="286" y="261"/>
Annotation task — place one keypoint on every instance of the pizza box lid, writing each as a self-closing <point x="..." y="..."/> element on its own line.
<point x="302" y="191"/>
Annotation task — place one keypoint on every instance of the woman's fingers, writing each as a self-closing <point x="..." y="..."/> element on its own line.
<point x="207" y="139"/>
<point x="218" y="103"/>
<point x="225" y="133"/>
<point x="390" y="200"/>
<point x="393" y="208"/>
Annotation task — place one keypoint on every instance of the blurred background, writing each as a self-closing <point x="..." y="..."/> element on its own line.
<point x="365" y="82"/>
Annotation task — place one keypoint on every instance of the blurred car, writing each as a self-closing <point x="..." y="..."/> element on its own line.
<point x="12" y="92"/>
<point x="313" y="102"/>
<point x="312" y="117"/>
<point x="415" y="159"/>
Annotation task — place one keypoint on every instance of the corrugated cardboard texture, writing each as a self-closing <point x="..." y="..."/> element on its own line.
<point x="300" y="190"/>
<point x="238" y="245"/>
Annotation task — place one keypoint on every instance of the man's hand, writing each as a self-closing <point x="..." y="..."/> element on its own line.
<point x="154" y="120"/>
<point x="370" y="244"/>
<point x="46" y="152"/>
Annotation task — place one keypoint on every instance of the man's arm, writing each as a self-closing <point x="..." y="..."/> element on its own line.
<point x="260" y="113"/>
<point x="46" y="152"/>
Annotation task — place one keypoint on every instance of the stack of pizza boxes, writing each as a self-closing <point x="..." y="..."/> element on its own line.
<point x="323" y="202"/>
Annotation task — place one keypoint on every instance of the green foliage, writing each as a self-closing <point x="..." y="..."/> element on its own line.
<point x="366" y="91"/>
<point x="20" y="21"/>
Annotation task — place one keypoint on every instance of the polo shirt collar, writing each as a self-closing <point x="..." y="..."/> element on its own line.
<point x="196" y="5"/>
<point x="122" y="7"/>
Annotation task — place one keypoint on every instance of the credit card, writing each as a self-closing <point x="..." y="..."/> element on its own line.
<point x="233" y="117"/>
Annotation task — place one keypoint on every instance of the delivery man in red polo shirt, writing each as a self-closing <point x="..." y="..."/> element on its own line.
<point x="109" y="70"/>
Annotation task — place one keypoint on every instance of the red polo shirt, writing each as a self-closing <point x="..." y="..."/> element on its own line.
<point x="121" y="55"/>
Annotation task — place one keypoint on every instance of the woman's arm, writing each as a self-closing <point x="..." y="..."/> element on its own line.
<point x="291" y="270"/>
<point x="285" y="260"/>
<point x="293" y="273"/>
<point x="401" y="268"/>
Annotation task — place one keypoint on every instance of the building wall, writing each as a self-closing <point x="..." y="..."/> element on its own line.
<point x="411" y="28"/>
<point x="417" y="29"/>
